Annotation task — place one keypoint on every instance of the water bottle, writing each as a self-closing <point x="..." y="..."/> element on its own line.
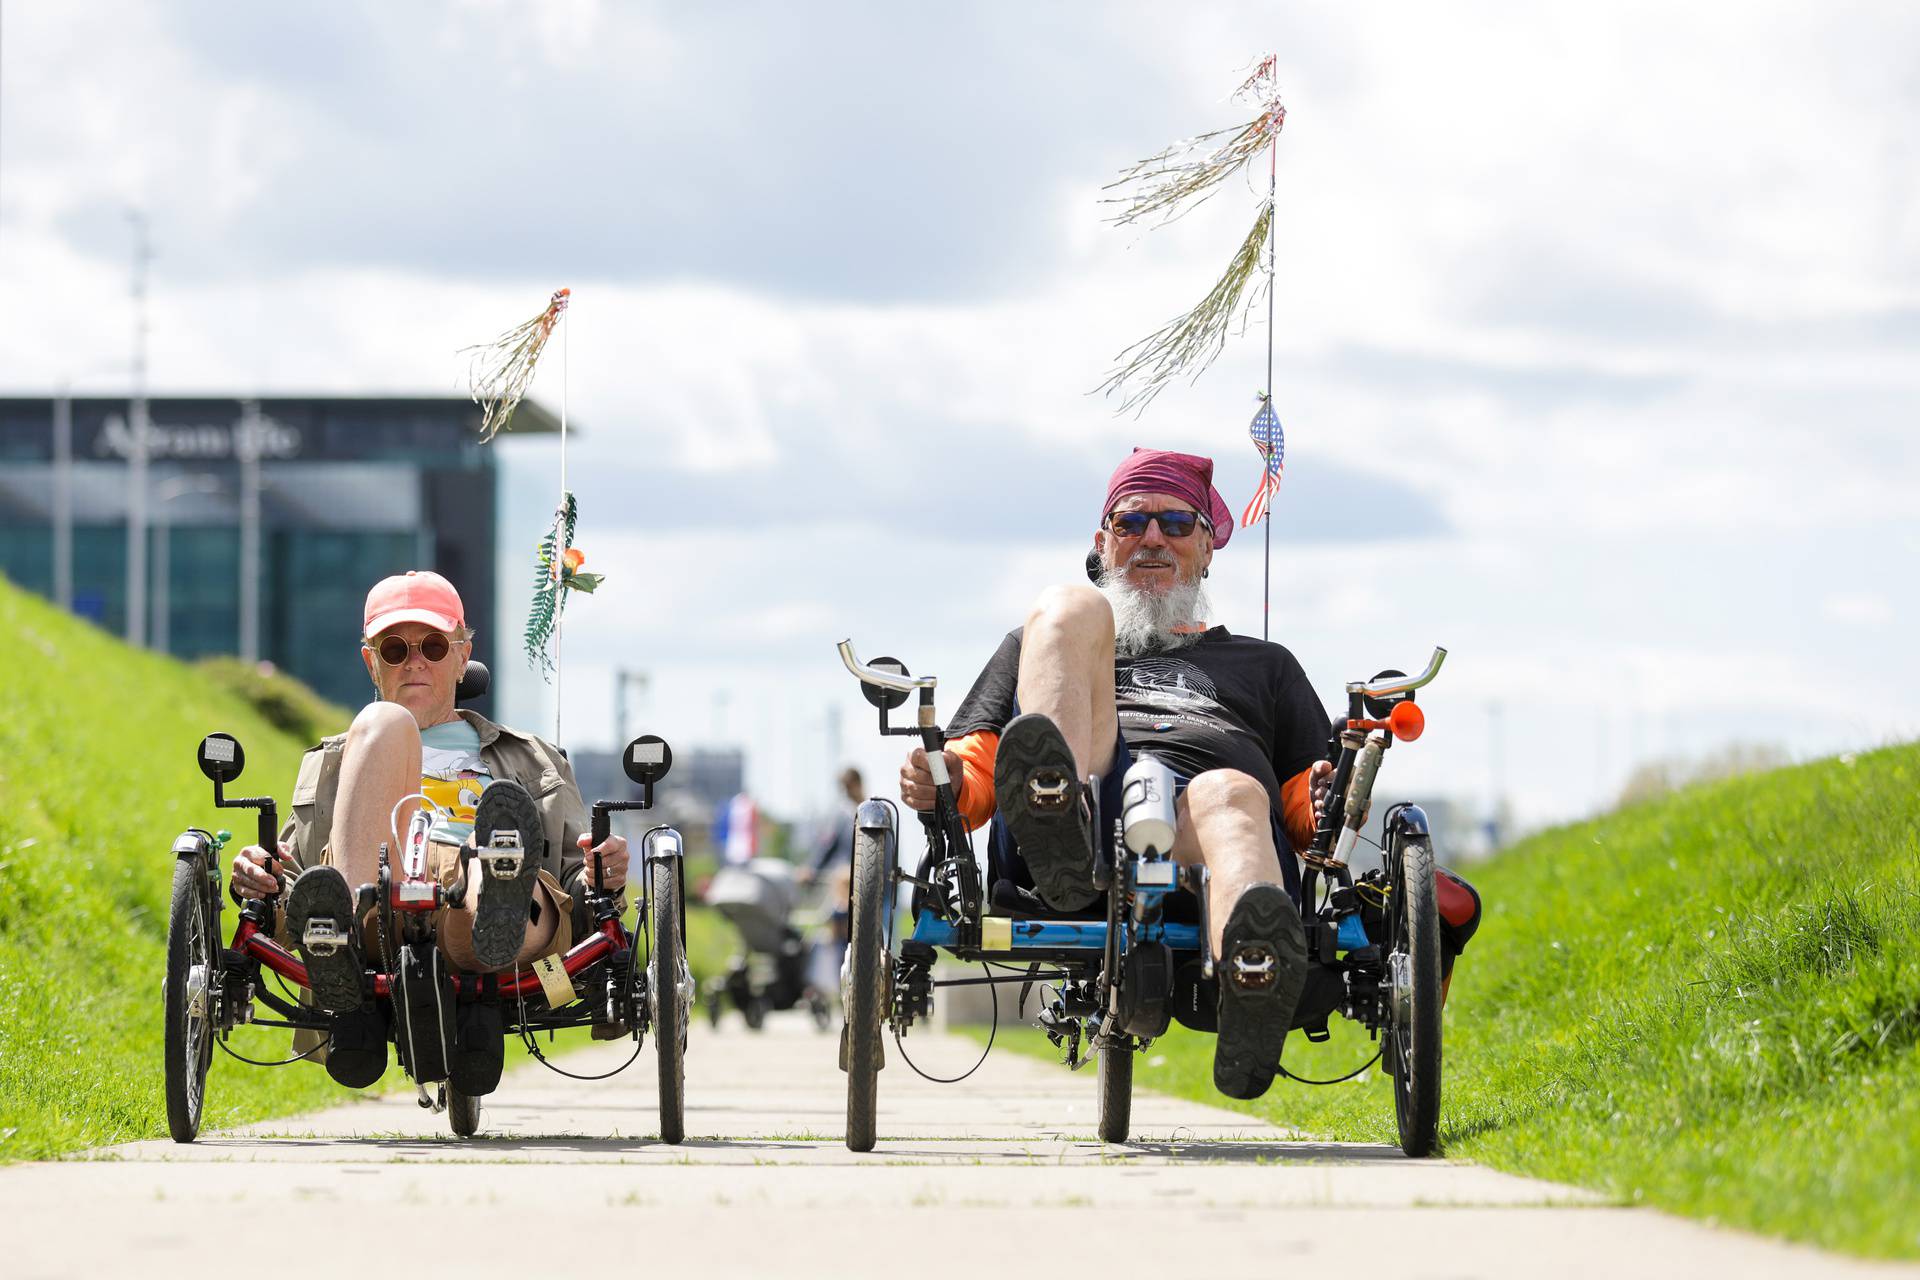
<point x="1147" y="822"/>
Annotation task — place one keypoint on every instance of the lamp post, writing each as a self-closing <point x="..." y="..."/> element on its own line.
<point x="137" y="450"/>
<point x="177" y="487"/>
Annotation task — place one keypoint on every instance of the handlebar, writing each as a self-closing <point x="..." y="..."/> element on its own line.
<point x="1401" y="684"/>
<point x="884" y="679"/>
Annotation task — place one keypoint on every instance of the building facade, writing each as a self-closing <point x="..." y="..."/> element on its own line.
<point x="350" y="489"/>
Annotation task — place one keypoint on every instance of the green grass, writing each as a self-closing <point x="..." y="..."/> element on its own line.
<point x="97" y="776"/>
<point x="1709" y="1003"/>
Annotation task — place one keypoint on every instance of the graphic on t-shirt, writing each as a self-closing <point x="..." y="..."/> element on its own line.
<point x="1172" y="684"/>
<point x="452" y="778"/>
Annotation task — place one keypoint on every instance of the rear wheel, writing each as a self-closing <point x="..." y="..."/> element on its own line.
<point x="1116" y="1090"/>
<point x="669" y="1021"/>
<point x="860" y="1051"/>
<point x="463" y="1113"/>
<point x="188" y="997"/>
<point x="755" y="1011"/>
<point x="1412" y="1042"/>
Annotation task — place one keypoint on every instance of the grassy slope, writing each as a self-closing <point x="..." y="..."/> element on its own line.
<point x="1708" y="1003"/>
<point x="97" y="776"/>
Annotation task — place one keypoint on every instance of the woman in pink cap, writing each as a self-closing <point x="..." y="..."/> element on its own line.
<point x="481" y="777"/>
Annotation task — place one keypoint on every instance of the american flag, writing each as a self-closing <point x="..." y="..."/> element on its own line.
<point x="1271" y="441"/>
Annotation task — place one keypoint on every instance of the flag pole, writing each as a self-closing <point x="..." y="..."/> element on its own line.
<point x="1273" y="208"/>
<point x="560" y="520"/>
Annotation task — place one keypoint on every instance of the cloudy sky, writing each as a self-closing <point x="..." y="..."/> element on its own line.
<point x="1596" y="329"/>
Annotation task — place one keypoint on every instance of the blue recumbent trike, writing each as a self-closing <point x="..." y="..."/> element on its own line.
<point x="1116" y="982"/>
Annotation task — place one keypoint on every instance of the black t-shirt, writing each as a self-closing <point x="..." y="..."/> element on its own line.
<point x="1222" y="702"/>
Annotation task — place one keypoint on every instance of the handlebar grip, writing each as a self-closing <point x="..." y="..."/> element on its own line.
<point x="602" y="825"/>
<point x="269" y="837"/>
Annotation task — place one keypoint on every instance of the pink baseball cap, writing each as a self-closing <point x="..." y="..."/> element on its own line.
<point x="418" y="595"/>
<point x="1186" y="475"/>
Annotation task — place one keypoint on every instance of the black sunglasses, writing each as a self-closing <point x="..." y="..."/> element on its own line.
<point x="1175" y="524"/>
<point x="433" y="646"/>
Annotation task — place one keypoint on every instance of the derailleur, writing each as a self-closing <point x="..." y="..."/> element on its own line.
<point x="1064" y="1016"/>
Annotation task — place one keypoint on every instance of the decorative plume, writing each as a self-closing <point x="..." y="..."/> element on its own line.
<point x="1168" y="186"/>
<point x="556" y="572"/>
<point x="500" y="372"/>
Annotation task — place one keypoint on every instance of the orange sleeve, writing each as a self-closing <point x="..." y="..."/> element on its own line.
<point x="1296" y="808"/>
<point x="974" y="788"/>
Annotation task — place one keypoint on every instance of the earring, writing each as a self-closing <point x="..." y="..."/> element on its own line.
<point x="1205" y="572"/>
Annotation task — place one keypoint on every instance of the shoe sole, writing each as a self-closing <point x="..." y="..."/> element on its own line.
<point x="1032" y="764"/>
<point x="500" y="921"/>
<point x="1255" y="1016"/>
<point x="320" y="893"/>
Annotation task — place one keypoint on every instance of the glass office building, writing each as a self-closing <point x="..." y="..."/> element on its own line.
<point x="350" y="489"/>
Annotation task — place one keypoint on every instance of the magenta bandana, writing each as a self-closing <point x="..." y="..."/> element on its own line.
<point x="1185" y="475"/>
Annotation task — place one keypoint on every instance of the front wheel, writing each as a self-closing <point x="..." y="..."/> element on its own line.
<point x="1412" y="1042"/>
<point x="1116" y="1090"/>
<point x="861" y="1055"/>
<point x="463" y="1113"/>
<point x="188" y="994"/>
<point x="665" y="963"/>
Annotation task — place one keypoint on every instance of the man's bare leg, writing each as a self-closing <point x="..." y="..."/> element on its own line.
<point x="1066" y="672"/>
<point x="379" y="764"/>
<point x="1226" y="823"/>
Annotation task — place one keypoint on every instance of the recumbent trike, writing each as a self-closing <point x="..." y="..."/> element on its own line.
<point x="1115" y="984"/>
<point x="612" y="979"/>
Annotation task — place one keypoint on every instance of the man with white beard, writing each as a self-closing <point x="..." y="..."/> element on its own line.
<point x="1101" y="674"/>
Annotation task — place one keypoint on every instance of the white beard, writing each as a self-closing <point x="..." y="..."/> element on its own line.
<point x="1144" y="621"/>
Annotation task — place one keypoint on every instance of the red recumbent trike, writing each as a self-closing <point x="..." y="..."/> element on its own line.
<point x="618" y="981"/>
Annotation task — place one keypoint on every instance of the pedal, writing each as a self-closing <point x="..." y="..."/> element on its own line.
<point x="503" y="855"/>
<point x="1050" y="790"/>
<point x="322" y="937"/>
<point x="1254" y="967"/>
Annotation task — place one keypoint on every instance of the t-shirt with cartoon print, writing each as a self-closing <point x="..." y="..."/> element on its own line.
<point x="1222" y="702"/>
<point x="452" y="776"/>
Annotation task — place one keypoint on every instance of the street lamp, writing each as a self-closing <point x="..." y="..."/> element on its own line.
<point x="177" y="487"/>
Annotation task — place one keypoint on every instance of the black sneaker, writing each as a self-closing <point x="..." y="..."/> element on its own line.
<point x="1261" y="967"/>
<point x="320" y="922"/>
<point x="1039" y="797"/>
<point x="357" y="1047"/>
<point x="500" y="920"/>
<point x="479" y="1052"/>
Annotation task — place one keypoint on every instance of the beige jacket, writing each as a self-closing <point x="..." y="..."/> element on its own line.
<point x="533" y="762"/>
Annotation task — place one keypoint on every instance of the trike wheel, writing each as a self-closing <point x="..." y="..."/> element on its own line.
<point x="189" y="993"/>
<point x="669" y="1021"/>
<point x="755" y="1011"/>
<point x="1412" y="1042"/>
<point x="866" y="996"/>
<point x="463" y="1113"/>
<point x="1116" y="1090"/>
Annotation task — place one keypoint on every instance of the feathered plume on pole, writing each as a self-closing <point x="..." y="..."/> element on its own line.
<point x="1168" y="186"/>
<point x="499" y="374"/>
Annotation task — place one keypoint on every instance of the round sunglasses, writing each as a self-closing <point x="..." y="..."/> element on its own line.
<point x="433" y="646"/>
<point x="1175" y="524"/>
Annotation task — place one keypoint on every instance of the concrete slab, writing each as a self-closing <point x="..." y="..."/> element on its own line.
<point x="998" y="1172"/>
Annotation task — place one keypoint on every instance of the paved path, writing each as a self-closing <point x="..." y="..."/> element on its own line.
<point x="996" y="1176"/>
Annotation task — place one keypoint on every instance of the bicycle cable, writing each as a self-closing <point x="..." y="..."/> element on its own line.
<point x="992" y="1030"/>
<point x="1336" y="1080"/>
<point x="284" y="1062"/>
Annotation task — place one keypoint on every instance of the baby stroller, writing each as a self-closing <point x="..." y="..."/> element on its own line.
<point x="770" y="974"/>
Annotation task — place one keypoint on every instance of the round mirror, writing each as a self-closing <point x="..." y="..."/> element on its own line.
<point x="647" y="759"/>
<point x="885" y="699"/>
<point x="1382" y="707"/>
<point x="221" y="757"/>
